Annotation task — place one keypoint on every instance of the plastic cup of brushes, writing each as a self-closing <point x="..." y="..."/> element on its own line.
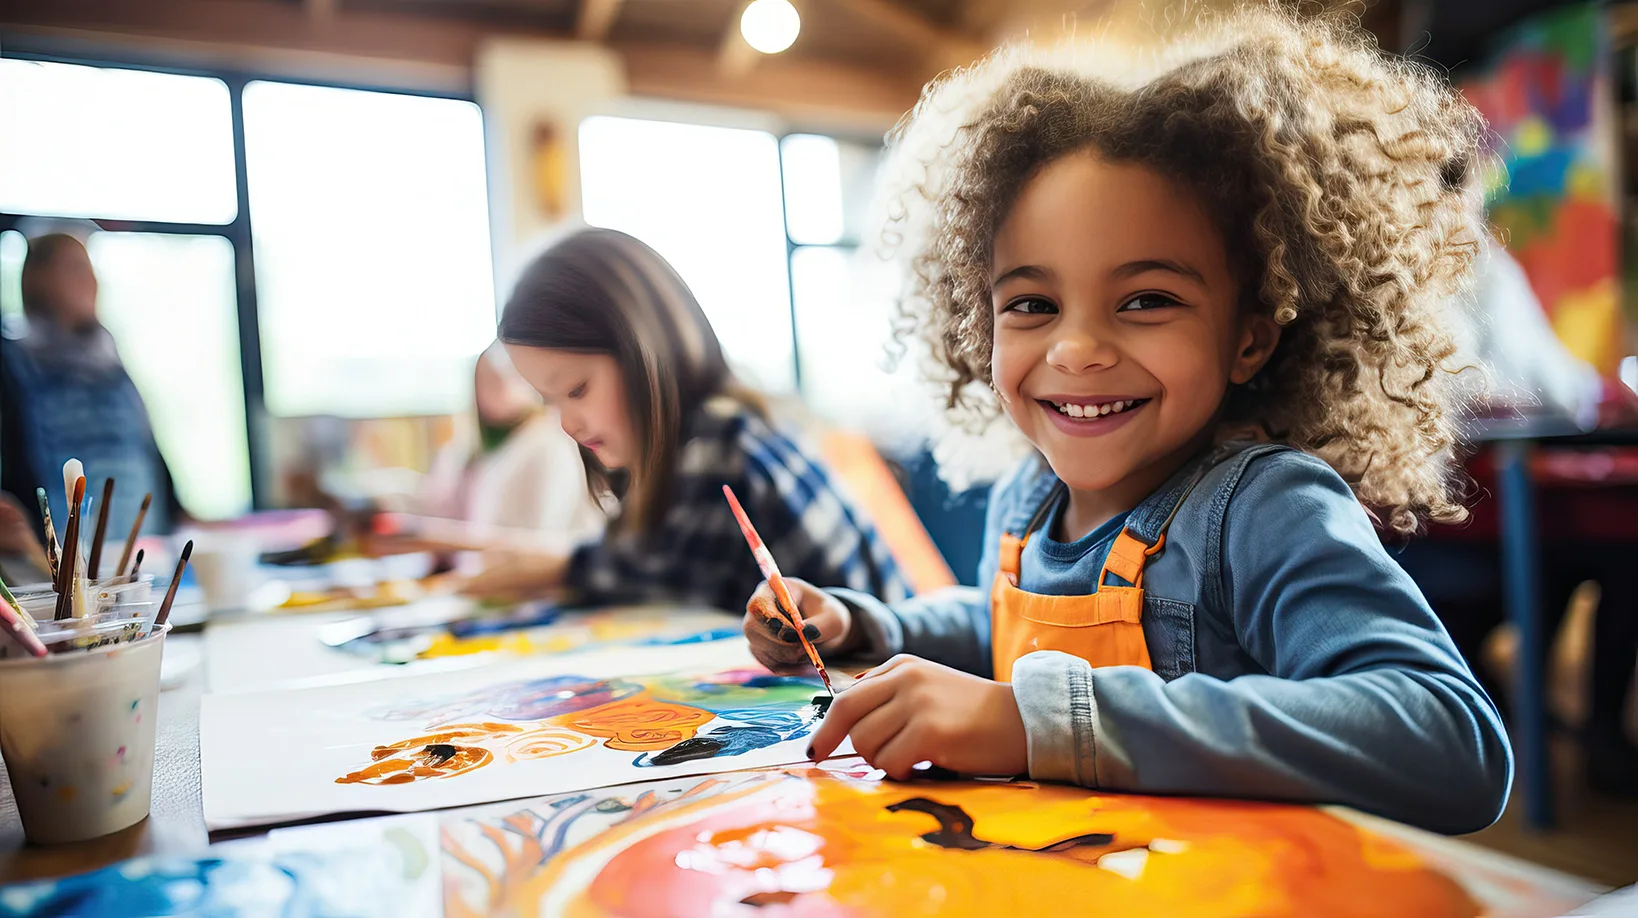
<point x="120" y="625"/>
<point x="77" y="733"/>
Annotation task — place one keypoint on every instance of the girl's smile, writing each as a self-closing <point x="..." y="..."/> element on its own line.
<point x="1081" y="416"/>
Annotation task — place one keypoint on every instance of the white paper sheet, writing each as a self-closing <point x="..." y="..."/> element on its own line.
<point x="276" y="757"/>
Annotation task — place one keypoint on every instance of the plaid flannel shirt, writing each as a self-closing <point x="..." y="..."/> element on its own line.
<point x="697" y="555"/>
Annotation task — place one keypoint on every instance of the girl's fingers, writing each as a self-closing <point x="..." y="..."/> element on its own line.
<point x="900" y="755"/>
<point x="848" y="709"/>
<point x="877" y="672"/>
<point x="876" y="730"/>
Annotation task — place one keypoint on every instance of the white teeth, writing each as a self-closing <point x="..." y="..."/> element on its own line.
<point x="1093" y="411"/>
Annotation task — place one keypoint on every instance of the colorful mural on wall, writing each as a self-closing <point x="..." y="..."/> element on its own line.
<point x="1547" y="92"/>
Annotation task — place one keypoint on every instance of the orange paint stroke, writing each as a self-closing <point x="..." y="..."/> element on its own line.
<point x="827" y="845"/>
<point x="436" y="755"/>
<point x="545" y="742"/>
<point x="639" y="723"/>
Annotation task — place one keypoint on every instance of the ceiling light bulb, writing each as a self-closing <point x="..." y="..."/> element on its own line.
<point x="770" y="26"/>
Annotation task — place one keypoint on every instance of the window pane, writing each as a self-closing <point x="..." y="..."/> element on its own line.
<point x="844" y="315"/>
<point x="828" y="188"/>
<point x="709" y="200"/>
<point x="126" y="144"/>
<point x="373" y="269"/>
<point x="170" y="303"/>
<point x="13" y="248"/>
<point x="813" y="188"/>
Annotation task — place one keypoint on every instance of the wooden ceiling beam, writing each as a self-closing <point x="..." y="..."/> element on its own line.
<point x="735" y="56"/>
<point x="595" y="19"/>
<point x="940" y="48"/>
<point x="280" y="39"/>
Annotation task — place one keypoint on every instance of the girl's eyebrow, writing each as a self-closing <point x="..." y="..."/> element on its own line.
<point x="1134" y="268"/>
<point x="1023" y="272"/>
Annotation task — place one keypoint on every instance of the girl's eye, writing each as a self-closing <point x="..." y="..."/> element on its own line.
<point x="1144" y="302"/>
<point x="577" y="391"/>
<point x="1031" y="305"/>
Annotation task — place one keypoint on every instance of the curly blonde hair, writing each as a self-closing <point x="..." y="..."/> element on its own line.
<point x="1343" y="181"/>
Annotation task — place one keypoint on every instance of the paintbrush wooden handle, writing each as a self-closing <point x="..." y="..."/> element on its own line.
<point x="94" y="566"/>
<point x="136" y="529"/>
<point x="67" y="569"/>
<point x="176" y="580"/>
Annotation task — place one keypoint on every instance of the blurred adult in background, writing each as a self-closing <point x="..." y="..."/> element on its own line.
<point x="64" y="393"/>
<point x="515" y="468"/>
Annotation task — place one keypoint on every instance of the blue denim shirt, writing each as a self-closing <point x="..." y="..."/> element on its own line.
<point x="1293" y="659"/>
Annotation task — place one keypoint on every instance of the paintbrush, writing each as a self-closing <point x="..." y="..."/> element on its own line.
<point x="93" y="567"/>
<point x="770" y="570"/>
<point x="71" y="541"/>
<point x="176" y="580"/>
<point x="138" y="565"/>
<point x="53" y="559"/>
<point x="82" y="585"/>
<point x="130" y="541"/>
<point x="16" y="621"/>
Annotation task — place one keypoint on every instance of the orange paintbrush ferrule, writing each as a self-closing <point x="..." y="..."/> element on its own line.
<point x="770" y="571"/>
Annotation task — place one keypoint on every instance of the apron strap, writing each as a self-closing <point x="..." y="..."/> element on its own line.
<point x="1012" y="556"/>
<point x="1144" y="535"/>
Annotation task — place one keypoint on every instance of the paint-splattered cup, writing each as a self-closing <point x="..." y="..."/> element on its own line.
<point x="77" y="735"/>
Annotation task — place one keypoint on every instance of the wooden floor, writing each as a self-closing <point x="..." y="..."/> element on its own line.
<point x="1596" y="836"/>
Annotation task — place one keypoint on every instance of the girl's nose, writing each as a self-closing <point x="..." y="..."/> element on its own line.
<point x="1079" y="347"/>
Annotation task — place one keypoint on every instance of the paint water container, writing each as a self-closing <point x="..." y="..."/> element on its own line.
<point x="77" y="736"/>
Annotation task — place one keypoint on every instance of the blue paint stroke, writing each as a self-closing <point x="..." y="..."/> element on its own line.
<point x="353" y="882"/>
<point x="719" y="743"/>
<point x="536" y="699"/>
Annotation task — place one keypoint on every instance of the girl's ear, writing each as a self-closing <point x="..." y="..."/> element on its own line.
<point x="1259" y="334"/>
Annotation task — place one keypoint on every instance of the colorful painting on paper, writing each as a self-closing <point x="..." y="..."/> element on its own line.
<point x="543" y="725"/>
<point x="371" y="867"/>
<point x="546" y="629"/>
<point x="437" y="634"/>
<point x="1548" y="96"/>
<point x="826" y="840"/>
<point x="839" y="841"/>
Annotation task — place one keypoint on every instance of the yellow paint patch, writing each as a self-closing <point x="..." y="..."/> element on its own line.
<point x="1589" y="323"/>
<point x="1532" y="137"/>
<point x="122" y="790"/>
<point x="65" y="794"/>
<point x="1586" y="181"/>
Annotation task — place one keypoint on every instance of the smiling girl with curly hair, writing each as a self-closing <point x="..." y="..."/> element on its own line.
<point x="1211" y="294"/>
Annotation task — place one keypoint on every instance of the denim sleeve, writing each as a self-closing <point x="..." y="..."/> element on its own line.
<point x="950" y="626"/>
<point x="1366" y="702"/>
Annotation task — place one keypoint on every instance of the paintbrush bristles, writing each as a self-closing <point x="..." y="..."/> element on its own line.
<point x="93" y="567"/>
<point x="135" y="568"/>
<point x="176" y="580"/>
<point x="136" y="529"/>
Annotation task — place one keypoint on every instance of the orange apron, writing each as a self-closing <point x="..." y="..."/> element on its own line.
<point x="1104" y="628"/>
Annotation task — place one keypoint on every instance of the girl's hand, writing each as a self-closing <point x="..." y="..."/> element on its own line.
<point x="516" y="576"/>
<point x="908" y="711"/>
<point x="773" y="640"/>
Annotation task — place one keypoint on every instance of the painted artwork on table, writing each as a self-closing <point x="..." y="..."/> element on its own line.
<point x="1547" y="93"/>
<point x="533" y="628"/>
<point x="435" y="634"/>
<point x="386" y="867"/>
<point x="545" y="725"/>
<point x="828" y="840"/>
<point x="838" y="840"/>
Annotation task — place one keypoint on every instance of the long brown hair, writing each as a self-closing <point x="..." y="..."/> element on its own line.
<point x="603" y="292"/>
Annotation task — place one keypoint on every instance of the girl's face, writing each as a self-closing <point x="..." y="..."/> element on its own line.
<point x="1117" y="330"/>
<point x="589" y="395"/>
